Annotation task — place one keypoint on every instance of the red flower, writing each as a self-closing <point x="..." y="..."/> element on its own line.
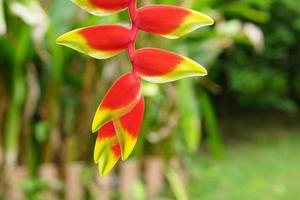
<point x="120" y="114"/>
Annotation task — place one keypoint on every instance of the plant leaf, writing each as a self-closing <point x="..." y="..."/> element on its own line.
<point x="2" y="19"/>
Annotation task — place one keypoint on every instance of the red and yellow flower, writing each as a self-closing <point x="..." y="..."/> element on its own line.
<point x="102" y="7"/>
<point x="100" y="42"/>
<point x="160" y="66"/>
<point x="119" y="116"/>
<point x="171" y="21"/>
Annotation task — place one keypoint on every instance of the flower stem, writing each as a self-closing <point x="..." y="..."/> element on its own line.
<point x="133" y="32"/>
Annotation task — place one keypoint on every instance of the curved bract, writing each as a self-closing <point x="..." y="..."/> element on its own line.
<point x="119" y="116"/>
<point x="128" y="128"/>
<point x="159" y="66"/>
<point x="171" y="21"/>
<point x="107" y="149"/>
<point x="100" y="42"/>
<point x="121" y="98"/>
<point x="102" y="7"/>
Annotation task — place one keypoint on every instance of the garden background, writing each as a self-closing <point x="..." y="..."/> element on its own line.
<point x="232" y="135"/>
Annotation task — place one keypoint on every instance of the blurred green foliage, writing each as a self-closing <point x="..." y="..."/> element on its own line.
<point x="263" y="168"/>
<point x="49" y="93"/>
<point x="259" y="73"/>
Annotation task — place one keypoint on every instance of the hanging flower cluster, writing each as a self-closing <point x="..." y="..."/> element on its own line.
<point x="120" y="114"/>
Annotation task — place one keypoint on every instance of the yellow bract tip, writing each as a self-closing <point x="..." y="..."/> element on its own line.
<point x="192" y="22"/>
<point x="200" y="18"/>
<point x="60" y="40"/>
<point x="101" y="117"/>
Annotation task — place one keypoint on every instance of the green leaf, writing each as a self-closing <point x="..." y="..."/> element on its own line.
<point x="189" y="113"/>
<point x="177" y="187"/>
<point x="2" y="19"/>
<point x="210" y="123"/>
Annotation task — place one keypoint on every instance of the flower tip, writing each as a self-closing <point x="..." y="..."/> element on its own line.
<point x="96" y="159"/>
<point x="95" y="126"/>
<point x="60" y="40"/>
<point x="210" y="21"/>
<point x="124" y="156"/>
<point x="101" y="117"/>
<point x="127" y="148"/>
<point x="207" y="19"/>
<point x="69" y="39"/>
<point x="203" y="71"/>
<point x="102" y="171"/>
<point x="198" y="69"/>
<point x="96" y="154"/>
<point x="203" y="19"/>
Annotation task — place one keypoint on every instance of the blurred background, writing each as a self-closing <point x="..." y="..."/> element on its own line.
<point x="232" y="135"/>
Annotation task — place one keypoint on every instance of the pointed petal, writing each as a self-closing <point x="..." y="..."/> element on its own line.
<point x="128" y="128"/>
<point x="106" y="137"/>
<point x="121" y="98"/>
<point x="100" y="42"/>
<point x="171" y="21"/>
<point x="107" y="149"/>
<point x="159" y="66"/>
<point x="102" y="7"/>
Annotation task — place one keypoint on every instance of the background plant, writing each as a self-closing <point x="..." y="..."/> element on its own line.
<point x="55" y="89"/>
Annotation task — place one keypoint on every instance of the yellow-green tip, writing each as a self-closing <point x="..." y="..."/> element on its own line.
<point x="101" y="117"/>
<point x="67" y="39"/>
<point x="203" y="18"/>
<point x="61" y="40"/>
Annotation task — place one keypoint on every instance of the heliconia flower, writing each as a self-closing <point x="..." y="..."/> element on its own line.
<point x="102" y="7"/>
<point x="120" y="114"/>
<point x="128" y="128"/>
<point x="121" y="98"/>
<point x="170" y="21"/>
<point x="101" y="42"/>
<point x="160" y="66"/>
<point x="107" y="149"/>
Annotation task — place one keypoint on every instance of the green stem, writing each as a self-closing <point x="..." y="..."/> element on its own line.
<point x="13" y="123"/>
<point x="2" y="19"/>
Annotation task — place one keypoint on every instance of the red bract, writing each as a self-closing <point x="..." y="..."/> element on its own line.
<point x="128" y="127"/>
<point x="107" y="148"/>
<point x="102" y="41"/>
<point x="120" y="99"/>
<point x="106" y="38"/>
<point x="110" y="4"/>
<point x="120" y="114"/>
<point x="170" y="21"/>
<point x="166" y="66"/>
<point x="102" y="7"/>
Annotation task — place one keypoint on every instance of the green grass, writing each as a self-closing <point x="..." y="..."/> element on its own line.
<point x="261" y="168"/>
